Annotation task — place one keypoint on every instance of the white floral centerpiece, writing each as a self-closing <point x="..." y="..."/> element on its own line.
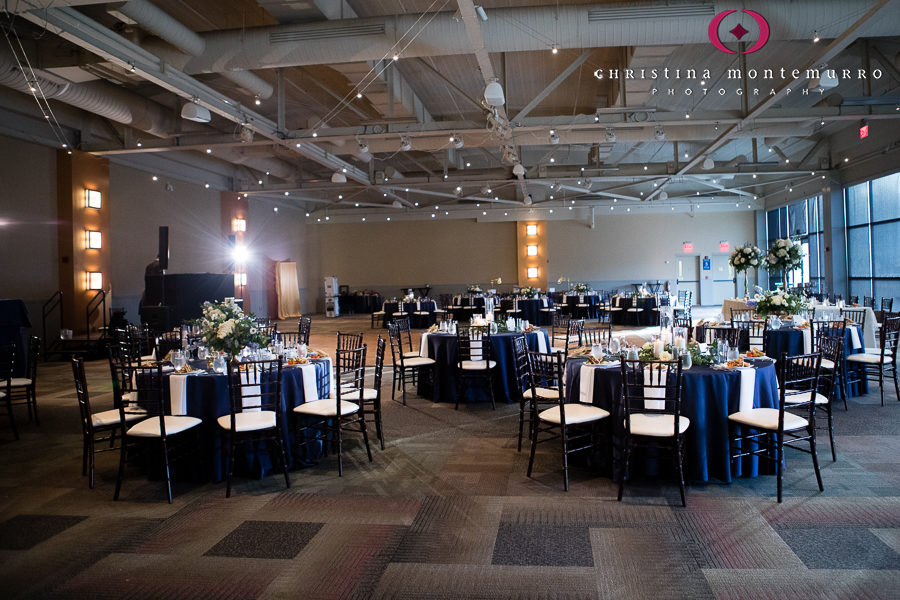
<point x="581" y="288"/>
<point x="743" y="258"/>
<point x="225" y="327"/>
<point x="474" y="289"/>
<point x="527" y="291"/>
<point x="784" y="255"/>
<point x="779" y="302"/>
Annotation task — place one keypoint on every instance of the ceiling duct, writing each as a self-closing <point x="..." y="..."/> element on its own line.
<point x="98" y="97"/>
<point x="318" y="31"/>
<point x="354" y="40"/>
<point x="610" y="13"/>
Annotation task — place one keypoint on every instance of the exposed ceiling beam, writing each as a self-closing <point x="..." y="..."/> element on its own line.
<point x="553" y="85"/>
<point x="839" y="43"/>
<point x="74" y="26"/>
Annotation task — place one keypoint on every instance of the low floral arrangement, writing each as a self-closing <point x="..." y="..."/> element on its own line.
<point x="697" y="357"/>
<point x="474" y="289"/>
<point x="784" y="255"/>
<point x="745" y="257"/>
<point x="527" y="291"/>
<point x="581" y="288"/>
<point x="225" y="327"/>
<point x="779" y="302"/>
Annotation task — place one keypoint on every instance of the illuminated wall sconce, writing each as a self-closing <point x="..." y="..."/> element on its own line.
<point x="240" y="279"/>
<point x="94" y="280"/>
<point x="531" y="230"/>
<point x="531" y="250"/>
<point x="93" y="198"/>
<point x="93" y="239"/>
<point x="532" y="272"/>
<point x="239" y="224"/>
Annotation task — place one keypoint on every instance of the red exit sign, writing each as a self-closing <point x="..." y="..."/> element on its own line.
<point x="863" y="131"/>
<point x="687" y="247"/>
<point x="724" y="247"/>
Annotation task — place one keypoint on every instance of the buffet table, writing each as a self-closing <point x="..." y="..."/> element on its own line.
<point x="708" y="397"/>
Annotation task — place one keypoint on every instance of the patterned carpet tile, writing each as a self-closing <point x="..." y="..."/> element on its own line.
<point x="266" y="539"/>
<point x="543" y="545"/>
<point x="35" y="572"/>
<point x="860" y="511"/>
<point x="141" y="577"/>
<point x="343" y="561"/>
<point x="731" y="533"/>
<point x="26" y="531"/>
<point x="840" y="548"/>
<point x="802" y="584"/>
<point x="200" y="524"/>
<point x="891" y="537"/>
<point x="369" y="509"/>
<point x="633" y="563"/>
<point x="595" y="512"/>
<point x="453" y="530"/>
<point x="436" y="581"/>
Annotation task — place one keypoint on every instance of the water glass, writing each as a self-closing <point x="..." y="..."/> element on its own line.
<point x="202" y="352"/>
<point x="614" y="346"/>
<point x="686" y="361"/>
<point x="723" y="351"/>
<point x="301" y="351"/>
<point x="178" y="360"/>
<point x="596" y="351"/>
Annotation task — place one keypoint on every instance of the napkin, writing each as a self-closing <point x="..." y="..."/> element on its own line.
<point x="659" y="392"/>
<point x="541" y="342"/>
<point x="544" y="302"/>
<point x="586" y="389"/>
<point x="854" y="338"/>
<point x="807" y="340"/>
<point x="250" y="394"/>
<point x="748" y="388"/>
<point x="178" y="394"/>
<point x="310" y="387"/>
<point x="423" y="345"/>
<point x="580" y="298"/>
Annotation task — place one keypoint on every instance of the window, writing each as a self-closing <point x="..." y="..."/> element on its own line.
<point x="872" y="211"/>
<point x="801" y="221"/>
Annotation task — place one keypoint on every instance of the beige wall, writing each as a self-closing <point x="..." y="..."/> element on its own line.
<point x="449" y="255"/>
<point x="138" y="207"/>
<point x="28" y="230"/>
<point x="632" y="248"/>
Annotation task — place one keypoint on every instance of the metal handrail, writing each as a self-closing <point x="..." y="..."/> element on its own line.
<point x="95" y="304"/>
<point x="56" y="300"/>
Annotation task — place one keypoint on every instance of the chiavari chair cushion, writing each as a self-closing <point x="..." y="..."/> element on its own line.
<point x="767" y="418"/>
<point x="476" y="365"/>
<point x="249" y="421"/>
<point x="326" y="408"/>
<point x="174" y="424"/>
<point x="656" y="424"/>
<point x="576" y="413"/>
<point x="871" y="359"/>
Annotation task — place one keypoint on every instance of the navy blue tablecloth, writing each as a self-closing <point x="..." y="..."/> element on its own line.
<point x="410" y="308"/>
<point x="207" y="399"/>
<point x="790" y="340"/>
<point x="708" y="397"/>
<point x="592" y="300"/>
<point x="530" y="310"/>
<point x="442" y="387"/>
<point x="647" y="317"/>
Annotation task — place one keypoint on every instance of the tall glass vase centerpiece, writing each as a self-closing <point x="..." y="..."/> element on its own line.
<point x="784" y="255"/>
<point x="225" y="328"/>
<point x="742" y="259"/>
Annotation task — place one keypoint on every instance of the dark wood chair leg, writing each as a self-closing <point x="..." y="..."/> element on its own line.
<point x="123" y="456"/>
<point x="165" y="448"/>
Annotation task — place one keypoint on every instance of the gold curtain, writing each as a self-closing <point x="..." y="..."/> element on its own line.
<point x="288" y="290"/>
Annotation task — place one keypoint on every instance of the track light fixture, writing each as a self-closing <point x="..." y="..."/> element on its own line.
<point x="660" y="135"/>
<point x="611" y="135"/>
<point x="405" y="144"/>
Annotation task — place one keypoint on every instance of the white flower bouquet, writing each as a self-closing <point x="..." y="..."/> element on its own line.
<point x="784" y="255"/>
<point x="745" y="257"/>
<point x="225" y="327"/>
<point x="581" y="288"/>
<point x="779" y="302"/>
<point x="527" y="291"/>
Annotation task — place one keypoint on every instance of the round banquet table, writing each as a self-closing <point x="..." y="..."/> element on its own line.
<point x="442" y="387"/>
<point x="708" y="397"/>
<point x="410" y="308"/>
<point x="647" y="317"/>
<point x="530" y="310"/>
<point x="206" y="397"/>
<point x="592" y="300"/>
<point x="791" y="341"/>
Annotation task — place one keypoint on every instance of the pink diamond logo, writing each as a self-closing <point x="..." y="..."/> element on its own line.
<point x="738" y="32"/>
